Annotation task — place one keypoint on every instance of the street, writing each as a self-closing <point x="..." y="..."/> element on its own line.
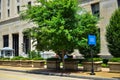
<point x="10" y="75"/>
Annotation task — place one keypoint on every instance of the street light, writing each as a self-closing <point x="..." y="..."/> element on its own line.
<point x="92" y="43"/>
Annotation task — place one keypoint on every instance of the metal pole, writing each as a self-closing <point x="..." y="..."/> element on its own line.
<point x="92" y="63"/>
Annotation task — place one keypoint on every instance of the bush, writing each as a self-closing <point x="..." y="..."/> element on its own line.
<point x="33" y="54"/>
<point x="53" y="59"/>
<point x="4" y="58"/>
<point x="71" y="59"/>
<point x="25" y="59"/>
<point x="113" y="34"/>
<point x="95" y="59"/>
<point x="104" y="65"/>
<point x="115" y="60"/>
<point x="17" y="58"/>
<point x="105" y="61"/>
<point x="20" y="58"/>
<point x="38" y="58"/>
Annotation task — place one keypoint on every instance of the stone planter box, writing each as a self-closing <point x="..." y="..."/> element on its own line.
<point x="53" y="64"/>
<point x="71" y="65"/>
<point x="5" y="63"/>
<point x="87" y="66"/>
<point x="114" y="66"/>
<point x="15" y="63"/>
<point x="38" y="64"/>
<point x="1" y="62"/>
<point x="23" y="63"/>
<point x="26" y="63"/>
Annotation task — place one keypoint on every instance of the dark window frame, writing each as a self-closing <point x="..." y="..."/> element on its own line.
<point x="18" y="9"/>
<point x="118" y="1"/>
<point x="26" y="44"/>
<point x="15" y="43"/>
<point x="0" y="15"/>
<point x="95" y="9"/>
<point x="0" y="4"/>
<point x="8" y="12"/>
<point x="18" y="1"/>
<point x="8" y="3"/>
<point x="5" y="40"/>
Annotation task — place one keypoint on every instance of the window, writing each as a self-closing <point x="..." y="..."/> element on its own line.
<point x="15" y="43"/>
<point x="118" y="1"/>
<point x="8" y="3"/>
<point x="5" y="40"/>
<point x="0" y="4"/>
<point x="18" y="1"/>
<point x="0" y="15"/>
<point x="18" y="9"/>
<point x="26" y="44"/>
<point x="29" y="4"/>
<point x="8" y="13"/>
<point x="95" y="9"/>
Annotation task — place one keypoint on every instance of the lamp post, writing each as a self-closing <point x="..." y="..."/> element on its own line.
<point x="92" y="43"/>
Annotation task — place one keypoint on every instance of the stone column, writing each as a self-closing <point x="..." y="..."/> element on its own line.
<point x="107" y="7"/>
<point x="20" y="43"/>
<point x="10" y="40"/>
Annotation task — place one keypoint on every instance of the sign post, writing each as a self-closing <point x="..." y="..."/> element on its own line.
<point x="91" y="43"/>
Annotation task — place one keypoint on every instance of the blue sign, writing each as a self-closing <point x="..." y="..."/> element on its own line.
<point x="91" y="40"/>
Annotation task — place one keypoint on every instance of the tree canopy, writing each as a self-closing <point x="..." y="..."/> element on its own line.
<point x="62" y="26"/>
<point x="113" y="34"/>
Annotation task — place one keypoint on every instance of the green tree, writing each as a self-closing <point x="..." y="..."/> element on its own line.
<point x="113" y="34"/>
<point x="62" y="26"/>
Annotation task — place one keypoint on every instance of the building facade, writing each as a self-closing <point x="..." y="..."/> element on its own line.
<point x="11" y="27"/>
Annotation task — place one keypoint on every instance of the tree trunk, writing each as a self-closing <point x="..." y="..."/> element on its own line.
<point x="63" y="61"/>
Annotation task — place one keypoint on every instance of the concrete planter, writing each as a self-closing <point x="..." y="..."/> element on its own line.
<point x="23" y="63"/>
<point x="1" y="62"/>
<point x="26" y="63"/>
<point x="38" y="64"/>
<point x="5" y="63"/>
<point x="87" y="66"/>
<point x="16" y="63"/>
<point x="71" y="65"/>
<point x="114" y="66"/>
<point x="51" y="64"/>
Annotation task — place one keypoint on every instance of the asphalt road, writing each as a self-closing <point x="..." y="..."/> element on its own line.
<point x="10" y="75"/>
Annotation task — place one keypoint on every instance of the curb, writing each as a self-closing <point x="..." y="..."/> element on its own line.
<point x="60" y="74"/>
<point x="73" y="76"/>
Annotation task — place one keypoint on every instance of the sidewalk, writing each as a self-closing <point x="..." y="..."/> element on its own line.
<point x="104" y="75"/>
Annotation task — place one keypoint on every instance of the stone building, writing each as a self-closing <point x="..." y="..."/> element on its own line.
<point x="11" y="27"/>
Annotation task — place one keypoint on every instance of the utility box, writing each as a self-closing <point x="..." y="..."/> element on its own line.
<point x="7" y="52"/>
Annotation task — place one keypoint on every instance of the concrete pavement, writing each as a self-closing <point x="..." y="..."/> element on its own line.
<point x="72" y="74"/>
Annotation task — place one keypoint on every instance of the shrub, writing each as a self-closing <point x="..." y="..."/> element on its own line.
<point x="33" y="54"/>
<point x="20" y="58"/>
<point x="104" y="65"/>
<point x="71" y="59"/>
<point x="39" y="58"/>
<point x="115" y="60"/>
<point x="105" y="61"/>
<point x="53" y="59"/>
<point x="4" y="58"/>
<point x="17" y="58"/>
<point x="94" y="59"/>
<point x="113" y="34"/>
